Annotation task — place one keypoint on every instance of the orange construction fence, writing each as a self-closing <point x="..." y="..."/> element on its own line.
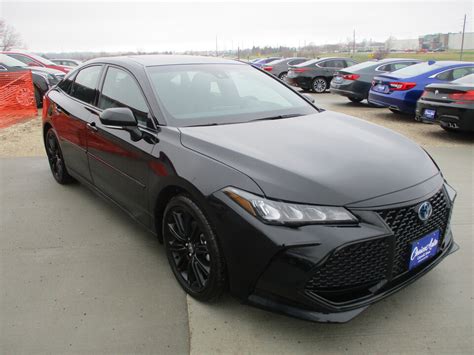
<point x="17" y="97"/>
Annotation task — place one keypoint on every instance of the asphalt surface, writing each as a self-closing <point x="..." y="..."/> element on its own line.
<point x="77" y="276"/>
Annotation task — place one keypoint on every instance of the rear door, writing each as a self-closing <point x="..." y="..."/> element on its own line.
<point x="71" y="113"/>
<point x="119" y="166"/>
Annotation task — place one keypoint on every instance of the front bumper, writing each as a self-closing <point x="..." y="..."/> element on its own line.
<point x="274" y="267"/>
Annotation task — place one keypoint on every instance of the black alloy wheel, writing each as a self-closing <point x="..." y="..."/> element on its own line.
<point x="319" y="85"/>
<point x="192" y="249"/>
<point x="56" y="159"/>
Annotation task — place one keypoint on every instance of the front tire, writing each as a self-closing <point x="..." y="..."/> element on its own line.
<point x="319" y="85"/>
<point x="56" y="159"/>
<point x="355" y="99"/>
<point x="193" y="250"/>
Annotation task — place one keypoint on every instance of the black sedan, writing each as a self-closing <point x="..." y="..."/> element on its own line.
<point x="451" y="104"/>
<point x="250" y="186"/>
<point x="316" y="74"/>
<point x="355" y="82"/>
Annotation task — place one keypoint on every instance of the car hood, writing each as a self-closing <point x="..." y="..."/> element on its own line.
<point x="326" y="158"/>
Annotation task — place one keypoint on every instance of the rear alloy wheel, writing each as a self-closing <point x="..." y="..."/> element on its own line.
<point x="319" y="85"/>
<point x="192" y="249"/>
<point x="56" y="159"/>
<point x="283" y="76"/>
<point x="355" y="99"/>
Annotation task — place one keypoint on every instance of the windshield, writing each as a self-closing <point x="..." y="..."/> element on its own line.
<point x="468" y="79"/>
<point x="203" y="94"/>
<point x="363" y="65"/>
<point x="41" y="59"/>
<point x="11" y="62"/>
<point x="415" y="70"/>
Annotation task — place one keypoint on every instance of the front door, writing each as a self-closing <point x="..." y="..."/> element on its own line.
<point x="119" y="166"/>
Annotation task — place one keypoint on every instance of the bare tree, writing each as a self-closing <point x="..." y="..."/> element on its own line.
<point x="9" y="37"/>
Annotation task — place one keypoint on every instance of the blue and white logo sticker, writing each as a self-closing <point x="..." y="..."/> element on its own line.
<point x="425" y="211"/>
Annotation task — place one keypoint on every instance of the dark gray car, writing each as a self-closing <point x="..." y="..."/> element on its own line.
<point x="354" y="82"/>
<point x="279" y="67"/>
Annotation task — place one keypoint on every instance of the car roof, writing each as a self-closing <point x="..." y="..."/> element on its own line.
<point x="149" y="60"/>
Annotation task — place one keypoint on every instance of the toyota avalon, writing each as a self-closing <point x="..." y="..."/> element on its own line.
<point x="249" y="185"/>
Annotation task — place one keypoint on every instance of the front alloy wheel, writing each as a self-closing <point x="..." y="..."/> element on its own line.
<point x="192" y="249"/>
<point x="319" y="85"/>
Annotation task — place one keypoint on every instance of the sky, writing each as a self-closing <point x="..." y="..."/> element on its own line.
<point x="179" y="26"/>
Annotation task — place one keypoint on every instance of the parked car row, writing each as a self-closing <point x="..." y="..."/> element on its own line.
<point x="43" y="78"/>
<point x="432" y="92"/>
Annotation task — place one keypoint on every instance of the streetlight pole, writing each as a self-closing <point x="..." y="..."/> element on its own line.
<point x="462" y="38"/>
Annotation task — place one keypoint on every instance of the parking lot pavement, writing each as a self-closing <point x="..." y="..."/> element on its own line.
<point x="76" y="276"/>
<point x="433" y="315"/>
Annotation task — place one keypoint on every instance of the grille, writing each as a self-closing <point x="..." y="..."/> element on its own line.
<point x="367" y="262"/>
<point x="407" y="227"/>
<point x="353" y="265"/>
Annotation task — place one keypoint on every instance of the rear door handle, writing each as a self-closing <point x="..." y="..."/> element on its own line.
<point x="92" y="126"/>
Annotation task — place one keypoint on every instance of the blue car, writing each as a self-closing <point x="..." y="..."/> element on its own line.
<point x="401" y="89"/>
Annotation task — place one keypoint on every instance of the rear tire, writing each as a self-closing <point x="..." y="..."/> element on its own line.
<point x="396" y="111"/>
<point x="319" y="85"/>
<point x="282" y="76"/>
<point x="356" y="100"/>
<point x="56" y="159"/>
<point x="192" y="249"/>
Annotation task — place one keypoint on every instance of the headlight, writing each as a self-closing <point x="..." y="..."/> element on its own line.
<point x="275" y="212"/>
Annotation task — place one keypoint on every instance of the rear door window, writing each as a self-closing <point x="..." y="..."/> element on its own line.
<point x="84" y="87"/>
<point x="120" y="89"/>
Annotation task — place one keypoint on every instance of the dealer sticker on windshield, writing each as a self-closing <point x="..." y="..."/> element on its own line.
<point x="424" y="249"/>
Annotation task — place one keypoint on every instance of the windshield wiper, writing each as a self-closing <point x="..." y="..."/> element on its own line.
<point x="279" y="117"/>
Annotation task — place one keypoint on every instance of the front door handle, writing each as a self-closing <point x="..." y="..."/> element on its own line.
<point x="92" y="126"/>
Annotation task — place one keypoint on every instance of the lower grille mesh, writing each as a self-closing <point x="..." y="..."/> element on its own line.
<point x="368" y="262"/>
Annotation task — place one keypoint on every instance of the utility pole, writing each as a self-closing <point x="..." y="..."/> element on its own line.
<point x="216" y="47"/>
<point x="353" y="43"/>
<point x="462" y="38"/>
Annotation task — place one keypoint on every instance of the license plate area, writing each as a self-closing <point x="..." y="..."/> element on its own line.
<point x="429" y="114"/>
<point x="381" y="88"/>
<point x="424" y="249"/>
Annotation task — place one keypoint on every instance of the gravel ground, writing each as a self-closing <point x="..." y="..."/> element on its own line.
<point x="24" y="139"/>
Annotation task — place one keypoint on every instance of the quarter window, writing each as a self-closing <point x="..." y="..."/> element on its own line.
<point x="84" y="87"/>
<point x="121" y="90"/>
<point x="396" y="66"/>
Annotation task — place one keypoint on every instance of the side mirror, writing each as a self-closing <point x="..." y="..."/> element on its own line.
<point x="121" y="118"/>
<point x="309" y="98"/>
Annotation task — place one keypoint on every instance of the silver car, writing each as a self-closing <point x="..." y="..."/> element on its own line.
<point x="279" y="67"/>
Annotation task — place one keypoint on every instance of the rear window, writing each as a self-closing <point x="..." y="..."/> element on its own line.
<point x="468" y="79"/>
<point x="416" y="69"/>
<point x="363" y="65"/>
<point x="308" y="62"/>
